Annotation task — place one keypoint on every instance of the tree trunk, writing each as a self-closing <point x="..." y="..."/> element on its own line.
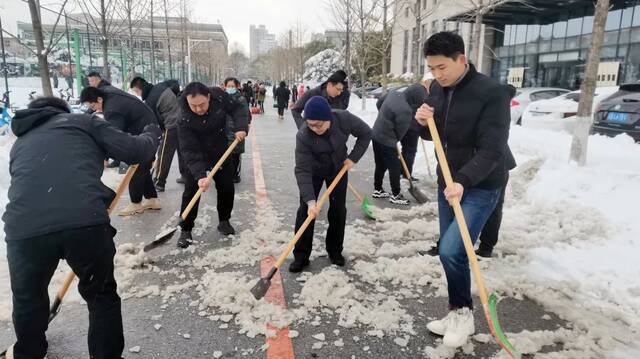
<point x="386" y="40"/>
<point x="131" y="55"/>
<point x="416" y="54"/>
<point x="588" y="87"/>
<point x="347" y="56"/>
<point x="166" y="25"/>
<point x="42" y="54"/>
<point x="153" y="49"/>
<point x="477" y="33"/>
<point x="106" y="71"/>
<point x="363" y="72"/>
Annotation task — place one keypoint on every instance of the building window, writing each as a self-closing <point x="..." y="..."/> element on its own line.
<point x="627" y="15"/>
<point x="545" y="32"/>
<point x="574" y="27"/>
<point x="533" y="33"/>
<point x="521" y="34"/>
<point x="507" y="35"/>
<point x="424" y="4"/>
<point x="559" y="30"/>
<point x="405" y="54"/>
<point x="636" y="16"/>
<point x="613" y="20"/>
<point x="587" y="25"/>
<point x="406" y="12"/>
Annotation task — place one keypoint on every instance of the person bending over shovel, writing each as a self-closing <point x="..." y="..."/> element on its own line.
<point x="321" y="151"/>
<point x="58" y="210"/>
<point x="202" y="134"/>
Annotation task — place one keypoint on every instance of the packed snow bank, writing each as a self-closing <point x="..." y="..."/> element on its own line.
<point x="321" y="65"/>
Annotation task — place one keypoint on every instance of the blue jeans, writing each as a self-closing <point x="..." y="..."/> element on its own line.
<point x="477" y="206"/>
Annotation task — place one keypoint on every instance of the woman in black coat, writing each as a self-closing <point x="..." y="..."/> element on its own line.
<point x="282" y="98"/>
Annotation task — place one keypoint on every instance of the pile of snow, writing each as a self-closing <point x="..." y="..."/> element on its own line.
<point x="321" y="65"/>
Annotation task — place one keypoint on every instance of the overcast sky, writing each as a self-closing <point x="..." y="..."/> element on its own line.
<point x="234" y="15"/>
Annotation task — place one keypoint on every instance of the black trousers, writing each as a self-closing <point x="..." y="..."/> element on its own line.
<point x="409" y="148"/>
<point x="490" y="231"/>
<point x="168" y="147"/>
<point x="89" y="251"/>
<point x="337" y="217"/>
<point x="225" y="194"/>
<point x="280" y="111"/>
<point x="235" y="159"/>
<point x="142" y="184"/>
<point x="386" y="158"/>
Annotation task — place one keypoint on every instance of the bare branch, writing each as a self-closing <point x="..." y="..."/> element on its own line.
<point x="19" y="41"/>
<point x="55" y="25"/>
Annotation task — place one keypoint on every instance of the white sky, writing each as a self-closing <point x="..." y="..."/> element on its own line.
<point x="234" y="15"/>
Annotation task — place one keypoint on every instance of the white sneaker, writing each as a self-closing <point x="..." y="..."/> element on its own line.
<point x="151" y="203"/>
<point x="131" y="209"/>
<point x="460" y="328"/>
<point x="439" y="327"/>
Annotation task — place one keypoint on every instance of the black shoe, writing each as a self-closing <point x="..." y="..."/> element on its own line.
<point x="226" y="228"/>
<point x="185" y="239"/>
<point x="337" y="259"/>
<point x="434" y="251"/>
<point x="180" y="180"/>
<point x="113" y="164"/>
<point x="122" y="168"/>
<point x="236" y="179"/>
<point x="413" y="179"/>
<point x="159" y="187"/>
<point x="298" y="265"/>
<point x="483" y="252"/>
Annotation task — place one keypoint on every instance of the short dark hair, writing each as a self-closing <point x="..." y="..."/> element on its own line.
<point x="445" y="43"/>
<point x="283" y="84"/>
<point x="91" y="94"/>
<point x="94" y="74"/>
<point x="235" y="81"/>
<point x="337" y="77"/>
<point x="195" y="89"/>
<point x="138" y="82"/>
<point x="49" y="101"/>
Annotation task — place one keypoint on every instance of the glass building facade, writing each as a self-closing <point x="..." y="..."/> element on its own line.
<point x="555" y="54"/>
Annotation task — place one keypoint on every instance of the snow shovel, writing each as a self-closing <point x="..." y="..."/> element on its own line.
<point x="426" y="157"/>
<point x="157" y="166"/>
<point x="415" y="192"/>
<point x="164" y="236"/>
<point x="261" y="288"/>
<point x="488" y="302"/>
<point x="71" y="276"/>
<point x="364" y="202"/>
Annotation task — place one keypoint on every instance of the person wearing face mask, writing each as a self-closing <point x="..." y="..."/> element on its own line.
<point x="232" y="87"/>
<point x="334" y="90"/>
<point x="202" y="132"/>
<point x="321" y="151"/>
<point x="282" y="95"/>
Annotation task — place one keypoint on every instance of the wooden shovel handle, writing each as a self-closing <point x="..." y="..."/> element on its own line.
<point x="404" y="166"/>
<point x="213" y="171"/>
<point x="354" y="191"/>
<point x="121" y="187"/>
<point x="457" y="209"/>
<point x="309" y="219"/>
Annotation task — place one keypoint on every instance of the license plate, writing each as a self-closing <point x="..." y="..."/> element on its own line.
<point x="617" y="117"/>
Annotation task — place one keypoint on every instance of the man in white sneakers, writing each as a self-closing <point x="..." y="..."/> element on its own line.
<point x="471" y="112"/>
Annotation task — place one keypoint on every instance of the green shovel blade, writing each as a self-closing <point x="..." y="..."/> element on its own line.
<point x="366" y="208"/>
<point x="497" y="330"/>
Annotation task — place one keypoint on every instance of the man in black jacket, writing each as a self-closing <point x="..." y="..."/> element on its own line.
<point x="334" y="90"/>
<point x="96" y="80"/>
<point x="162" y="100"/>
<point x="321" y="151"/>
<point x="128" y="114"/>
<point x="58" y="210"/>
<point x="471" y="112"/>
<point x="202" y="135"/>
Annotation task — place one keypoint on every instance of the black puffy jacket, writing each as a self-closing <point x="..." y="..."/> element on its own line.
<point x="126" y="111"/>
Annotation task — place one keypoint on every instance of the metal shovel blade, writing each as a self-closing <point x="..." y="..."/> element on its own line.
<point x="160" y="239"/>
<point x="366" y="208"/>
<point x="418" y="195"/>
<point x="261" y="288"/>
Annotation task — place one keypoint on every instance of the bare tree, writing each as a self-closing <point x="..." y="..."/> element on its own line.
<point x="166" y="26"/>
<point x="153" y="45"/>
<point x="365" y="13"/>
<point x="41" y="52"/>
<point x="133" y="12"/>
<point x="419" y="15"/>
<point x="104" y="23"/>
<point x="344" y="20"/>
<point x="588" y="87"/>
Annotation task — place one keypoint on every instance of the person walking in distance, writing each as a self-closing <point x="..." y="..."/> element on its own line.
<point x="231" y="86"/>
<point x="282" y="95"/>
<point x="334" y="90"/>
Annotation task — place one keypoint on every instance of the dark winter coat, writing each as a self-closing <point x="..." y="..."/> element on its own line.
<point x="238" y="97"/>
<point x="339" y="103"/>
<point x="203" y="139"/>
<point x="396" y="114"/>
<point x="164" y="103"/>
<point x="248" y="91"/>
<point x="475" y="131"/>
<point x="126" y="112"/>
<point x="311" y="162"/>
<point x="282" y="95"/>
<point x="55" y="167"/>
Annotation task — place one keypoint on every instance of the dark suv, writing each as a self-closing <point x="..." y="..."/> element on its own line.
<point x="619" y="113"/>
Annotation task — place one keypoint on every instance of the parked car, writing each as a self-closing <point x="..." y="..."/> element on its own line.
<point x="377" y="93"/>
<point x="559" y="112"/>
<point x="525" y="96"/>
<point x="358" y="90"/>
<point x="619" y="113"/>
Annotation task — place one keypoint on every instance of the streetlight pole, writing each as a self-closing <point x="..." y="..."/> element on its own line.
<point x="5" y="70"/>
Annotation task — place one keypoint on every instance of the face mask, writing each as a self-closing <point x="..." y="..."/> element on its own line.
<point x="232" y="90"/>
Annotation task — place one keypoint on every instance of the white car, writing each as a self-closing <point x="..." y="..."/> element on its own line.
<point x="559" y="113"/>
<point x="526" y="95"/>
